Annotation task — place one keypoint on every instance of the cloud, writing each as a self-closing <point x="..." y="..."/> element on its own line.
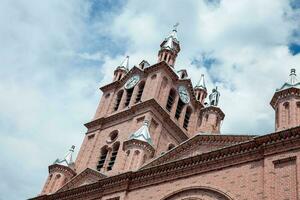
<point x="55" y="55"/>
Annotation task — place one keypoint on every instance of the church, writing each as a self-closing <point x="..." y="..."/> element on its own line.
<point x="155" y="136"/>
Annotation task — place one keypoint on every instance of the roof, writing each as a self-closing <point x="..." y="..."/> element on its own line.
<point x="292" y="82"/>
<point x="142" y="133"/>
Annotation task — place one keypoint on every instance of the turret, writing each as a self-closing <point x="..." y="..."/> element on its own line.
<point x="211" y="115"/>
<point x="121" y="70"/>
<point x="286" y="103"/>
<point x="200" y="90"/>
<point x="169" y="48"/>
<point x="60" y="172"/>
<point x="138" y="148"/>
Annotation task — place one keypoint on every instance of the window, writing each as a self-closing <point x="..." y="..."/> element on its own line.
<point x="179" y="108"/>
<point x="118" y="100"/>
<point x="128" y="96"/>
<point x="171" y="99"/>
<point x="113" y="157"/>
<point x="104" y="152"/>
<point x="287" y="112"/>
<point x="112" y="136"/>
<point x="187" y="118"/>
<point x="140" y="92"/>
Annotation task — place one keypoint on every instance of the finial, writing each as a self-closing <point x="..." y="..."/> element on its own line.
<point x="293" y="76"/>
<point x="214" y="97"/>
<point x="175" y="26"/>
<point x="201" y="83"/>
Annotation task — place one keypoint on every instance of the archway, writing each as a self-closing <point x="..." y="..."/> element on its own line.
<point x="198" y="193"/>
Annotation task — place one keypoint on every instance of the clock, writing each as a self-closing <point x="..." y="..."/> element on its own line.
<point x="132" y="82"/>
<point x="184" y="94"/>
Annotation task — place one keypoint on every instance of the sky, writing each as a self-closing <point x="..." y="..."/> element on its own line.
<point x="55" y="54"/>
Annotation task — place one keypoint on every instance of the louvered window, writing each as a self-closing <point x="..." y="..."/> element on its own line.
<point x="140" y="92"/>
<point x="187" y="118"/>
<point x="113" y="156"/>
<point x="102" y="159"/>
<point x="128" y="96"/>
<point x="118" y="100"/>
<point x="179" y="108"/>
<point x="171" y="99"/>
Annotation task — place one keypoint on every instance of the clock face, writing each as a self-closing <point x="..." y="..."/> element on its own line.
<point x="183" y="94"/>
<point x="132" y="82"/>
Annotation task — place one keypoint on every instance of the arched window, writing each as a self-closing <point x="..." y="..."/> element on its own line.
<point x="171" y="99"/>
<point x="128" y="96"/>
<point x="298" y="112"/>
<point x="187" y="117"/>
<point x="113" y="157"/>
<point x="118" y="100"/>
<point x="179" y="108"/>
<point x="140" y="92"/>
<point x="112" y="136"/>
<point x="287" y="112"/>
<point x="171" y="146"/>
<point x="102" y="159"/>
<point x="120" y="76"/>
<point x="200" y="119"/>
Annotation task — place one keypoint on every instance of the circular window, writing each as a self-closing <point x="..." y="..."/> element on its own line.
<point x="112" y="136"/>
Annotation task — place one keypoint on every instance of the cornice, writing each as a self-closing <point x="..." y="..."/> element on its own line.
<point x="214" y="109"/>
<point x="198" y="140"/>
<point x="282" y="94"/>
<point x="253" y="150"/>
<point x="61" y="168"/>
<point x="138" y="143"/>
<point x="96" y="124"/>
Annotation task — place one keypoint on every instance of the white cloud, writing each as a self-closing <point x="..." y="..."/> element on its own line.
<point x="49" y="75"/>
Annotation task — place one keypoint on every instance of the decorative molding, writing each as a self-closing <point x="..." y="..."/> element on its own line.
<point x="252" y="150"/>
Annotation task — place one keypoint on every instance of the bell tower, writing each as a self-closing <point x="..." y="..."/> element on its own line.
<point x="169" y="48"/>
<point x="144" y="112"/>
<point x="211" y="115"/>
<point x="286" y="103"/>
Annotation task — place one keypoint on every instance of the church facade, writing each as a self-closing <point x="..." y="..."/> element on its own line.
<point x="155" y="136"/>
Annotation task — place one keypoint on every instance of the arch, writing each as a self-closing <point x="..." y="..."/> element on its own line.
<point x="103" y="156"/>
<point x="298" y="112"/>
<point x="112" y="136"/>
<point x="128" y="96"/>
<point x="171" y="99"/>
<point x="187" y="117"/>
<point x="114" y="153"/>
<point x="286" y="113"/>
<point x="198" y="193"/>
<point x="139" y="95"/>
<point x="118" y="100"/>
<point x="153" y="76"/>
<point x="179" y="108"/>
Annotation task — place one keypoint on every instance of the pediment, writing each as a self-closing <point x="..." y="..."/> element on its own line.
<point x="87" y="176"/>
<point x="199" y="144"/>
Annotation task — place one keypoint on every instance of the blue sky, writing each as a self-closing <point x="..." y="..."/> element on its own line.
<point x="55" y="54"/>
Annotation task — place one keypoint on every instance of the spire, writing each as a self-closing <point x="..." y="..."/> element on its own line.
<point x="168" y="42"/>
<point x="142" y="133"/>
<point x="125" y="64"/>
<point x="67" y="160"/>
<point x="292" y="82"/>
<point x="201" y="83"/>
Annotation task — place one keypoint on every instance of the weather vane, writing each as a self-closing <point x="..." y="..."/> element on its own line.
<point x="175" y="26"/>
